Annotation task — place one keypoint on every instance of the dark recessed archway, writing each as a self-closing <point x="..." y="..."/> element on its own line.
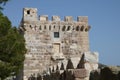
<point x="64" y="27"/>
<point x="82" y="28"/>
<point x="68" y="28"/>
<point x="77" y="28"/>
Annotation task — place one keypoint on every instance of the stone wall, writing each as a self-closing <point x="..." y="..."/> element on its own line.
<point x="51" y="42"/>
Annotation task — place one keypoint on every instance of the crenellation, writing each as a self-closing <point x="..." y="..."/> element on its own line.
<point x="43" y="18"/>
<point x="30" y="14"/>
<point x="68" y="19"/>
<point x="82" y="19"/>
<point x="55" y="18"/>
<point x="51" y="43"/>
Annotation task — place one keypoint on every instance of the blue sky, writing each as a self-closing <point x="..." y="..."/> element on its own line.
<point x="103" y="15"/>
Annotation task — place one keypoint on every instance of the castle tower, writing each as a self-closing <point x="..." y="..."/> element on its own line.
<point x="84" y="35"/>
<point x="30" y="14"/>
<point x="50" y="42"/>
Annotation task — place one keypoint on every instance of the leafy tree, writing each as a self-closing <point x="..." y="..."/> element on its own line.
<point x="2" y="3"/>
<point x="12" y="48"/>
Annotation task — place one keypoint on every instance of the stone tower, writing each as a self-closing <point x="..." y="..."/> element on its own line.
<point x="52" y="42"/>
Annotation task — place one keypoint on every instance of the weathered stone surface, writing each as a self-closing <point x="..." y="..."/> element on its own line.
<point x="51" y="43"/>
<point x="80" y="73"/>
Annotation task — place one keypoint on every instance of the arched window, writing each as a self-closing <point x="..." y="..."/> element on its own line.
<point x="82" y="28"/>
<point x="54" y="27"/>
<point x="40" y="28"/>
<point x="64" y="27"/>
<point x="77" y="28"/>
<point x="50" y="27"/>
<point x="68" y="28"/>
<point x="86" y="29"/>
<point x="28" y="11"/>
<point x="30" y="26"/>
<point x="73" y="28"/>
<point x="45" y="27"/>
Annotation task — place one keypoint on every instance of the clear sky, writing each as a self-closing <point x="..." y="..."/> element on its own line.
<point x="103" y="15"/>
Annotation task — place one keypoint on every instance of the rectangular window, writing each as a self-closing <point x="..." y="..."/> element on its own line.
<point x="56" y="48"/>
<point x="56" y="34"/>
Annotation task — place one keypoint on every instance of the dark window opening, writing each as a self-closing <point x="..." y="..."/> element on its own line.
<point x="54" y="27"/>
<point x="30" y="26"/>
<point x="28" y="12"/>
<point x="40" y="27"/>
<point x="45" y="27"/>
<point x="82" y="28"/>
<point x="56" y="34"/>
<point x="68" y="28"/>
<point x="49" y="27"/>
<point x="63" y="29"/>
<point x="86" y="29"/>
<point x="77" y="28"/>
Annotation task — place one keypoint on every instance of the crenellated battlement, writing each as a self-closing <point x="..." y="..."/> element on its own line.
<point x="30" y="14"/>
<point x="50" y="42"/>
<point x="31" y="20"/>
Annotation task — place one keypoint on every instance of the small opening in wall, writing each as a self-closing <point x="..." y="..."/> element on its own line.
<point x="28" y="12"/>
<point x="54" y="27"/>
<point x="50" y="27"/>
<point x="86" y="29"/>
<point x="45" y="27"/>
<point x="82" y="28"/>
<point x="68" y="28"/>
<point x="63" y="29"/>
<point x="40" y="27"/>
<point x="56" y="34"/>
<point x="30" y="26"/>
<point x="77" y="28"/>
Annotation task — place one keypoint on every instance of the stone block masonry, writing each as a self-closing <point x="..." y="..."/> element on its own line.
<point x="53" y="42"/>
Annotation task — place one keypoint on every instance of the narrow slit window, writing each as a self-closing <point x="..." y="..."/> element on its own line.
<point x="63" y="29"/>
<point x="40" y="27"/>
<point x="45" y="27"/>
<point x="49" y="27"/>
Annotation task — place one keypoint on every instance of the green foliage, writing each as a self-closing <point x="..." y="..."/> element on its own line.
<point x="2" y="3"/>
<point x="12" y="48"/>
<point x="5" y="25"/>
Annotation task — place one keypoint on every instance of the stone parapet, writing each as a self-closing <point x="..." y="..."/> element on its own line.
<point x="51" y="43"/>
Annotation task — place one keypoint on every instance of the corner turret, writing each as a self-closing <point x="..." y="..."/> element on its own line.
<point x="30" y="14"/>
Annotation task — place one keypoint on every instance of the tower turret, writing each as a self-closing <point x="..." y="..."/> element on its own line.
<point x="84" y="36"/>
<point x="30" y="14"/>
